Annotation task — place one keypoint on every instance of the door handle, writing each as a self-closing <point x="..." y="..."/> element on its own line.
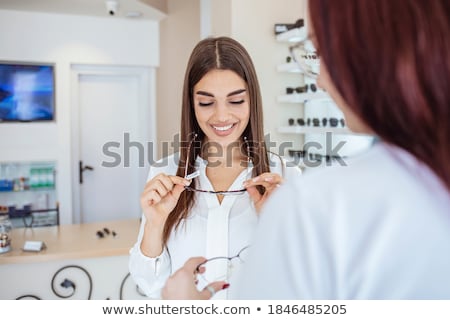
<point x="81" y="169"/>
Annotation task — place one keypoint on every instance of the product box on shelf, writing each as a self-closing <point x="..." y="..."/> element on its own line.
<point x="6" y="185"/>
<point x="15" y="212"/>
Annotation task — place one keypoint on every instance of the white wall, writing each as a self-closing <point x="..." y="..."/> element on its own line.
<point x="253" y="25"/>
<point x="180" y="32"/>
<point x="65" y="40"/>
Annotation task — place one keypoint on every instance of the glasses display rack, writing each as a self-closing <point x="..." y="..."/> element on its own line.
<point x="319" y="137"/>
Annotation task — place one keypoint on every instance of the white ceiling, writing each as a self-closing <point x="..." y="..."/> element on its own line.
<point x="149" y="9"/>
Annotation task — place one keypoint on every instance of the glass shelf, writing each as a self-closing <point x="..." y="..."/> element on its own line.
<point x="291" y="67"/>
<point x="313" y="130"/>
<point x="318" y="130"/>
<point x="29" y="190"/>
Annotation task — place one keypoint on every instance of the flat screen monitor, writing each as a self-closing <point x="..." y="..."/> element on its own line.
<point x="27" y="92"/>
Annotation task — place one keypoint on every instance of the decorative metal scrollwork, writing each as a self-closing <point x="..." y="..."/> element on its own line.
<point x="31" y="296"/>
<point x="61" y="282"/>
<point x="122" y="285"/>
<point x="69" y="285"/>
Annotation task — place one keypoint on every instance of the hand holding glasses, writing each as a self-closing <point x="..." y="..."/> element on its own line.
<point x="160" y="196"/>
<point x="182" y="285"/>
<point x="220" y="268"/>
<point x="270" y="181"/>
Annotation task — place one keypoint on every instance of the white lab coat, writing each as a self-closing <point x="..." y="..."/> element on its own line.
<point x="211" y="230"/>
<point x="378" y="228"/>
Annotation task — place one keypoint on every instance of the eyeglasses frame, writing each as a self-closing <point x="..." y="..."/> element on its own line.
<point x="197" y="269"/>
<point x="225" y="192"/>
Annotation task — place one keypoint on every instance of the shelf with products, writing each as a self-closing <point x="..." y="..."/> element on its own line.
<point x="318" y="121"/>
<point x="24" y="176"/>
<point x="28" y="190"/>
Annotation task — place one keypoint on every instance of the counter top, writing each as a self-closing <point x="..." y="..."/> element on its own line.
<point x="75" y="241"/>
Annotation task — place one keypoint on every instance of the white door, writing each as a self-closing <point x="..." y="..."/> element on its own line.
<point x="114" y="126"/>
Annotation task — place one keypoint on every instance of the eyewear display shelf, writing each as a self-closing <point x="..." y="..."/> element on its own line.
<point x="28" y="193"/>
<point x="314" y="104"/>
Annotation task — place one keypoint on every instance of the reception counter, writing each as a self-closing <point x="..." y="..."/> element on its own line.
<point x="76" y="241"/>
<point x="83" y="261"/>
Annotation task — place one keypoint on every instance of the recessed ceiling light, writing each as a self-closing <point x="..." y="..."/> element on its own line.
<point x="112" y="6"/>
<point x="133" y="14"/>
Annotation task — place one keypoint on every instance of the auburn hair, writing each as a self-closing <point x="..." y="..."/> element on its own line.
<point x="390" y="61"/>
<point x="222" y="53"/>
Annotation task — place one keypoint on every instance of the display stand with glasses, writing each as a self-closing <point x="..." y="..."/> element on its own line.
<point x="326" y="137"/>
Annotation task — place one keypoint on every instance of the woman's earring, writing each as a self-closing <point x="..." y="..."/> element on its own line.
<point x="247" y="146"/>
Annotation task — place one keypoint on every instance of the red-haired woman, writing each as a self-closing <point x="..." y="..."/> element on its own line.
<point x="378" y="228"/>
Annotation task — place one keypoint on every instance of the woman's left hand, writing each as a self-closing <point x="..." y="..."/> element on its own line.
<point x="270" y="181"/>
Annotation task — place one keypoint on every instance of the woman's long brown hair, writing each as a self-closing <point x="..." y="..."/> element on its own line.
<point x="225" y="54"/>
<point x="390" y="61"/>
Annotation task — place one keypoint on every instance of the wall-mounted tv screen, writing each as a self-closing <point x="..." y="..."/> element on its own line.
<point x="27" y="91"/>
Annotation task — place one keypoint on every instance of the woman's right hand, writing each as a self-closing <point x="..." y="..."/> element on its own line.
<point x="160" y="197"/>
<point x="182" y="286"/>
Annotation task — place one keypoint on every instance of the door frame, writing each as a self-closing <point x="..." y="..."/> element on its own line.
<point x="146" y="110"/>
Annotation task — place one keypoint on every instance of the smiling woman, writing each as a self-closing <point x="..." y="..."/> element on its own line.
<point x="221" y="106"/>
<point x="199" y="206"/>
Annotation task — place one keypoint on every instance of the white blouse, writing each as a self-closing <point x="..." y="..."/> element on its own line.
<point x="212" y="229"/>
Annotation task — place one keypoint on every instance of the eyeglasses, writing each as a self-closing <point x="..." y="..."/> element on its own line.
<point x="105" y="232"/>
<point x="334" y="122"/>
<point x="221" y="268"/>
<point x="227" y="192"/>
<point x="306" y="57"/>
<point x="283" y="27"/>
<point x="315" y="122"/>
<point x="290" y="90"/>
